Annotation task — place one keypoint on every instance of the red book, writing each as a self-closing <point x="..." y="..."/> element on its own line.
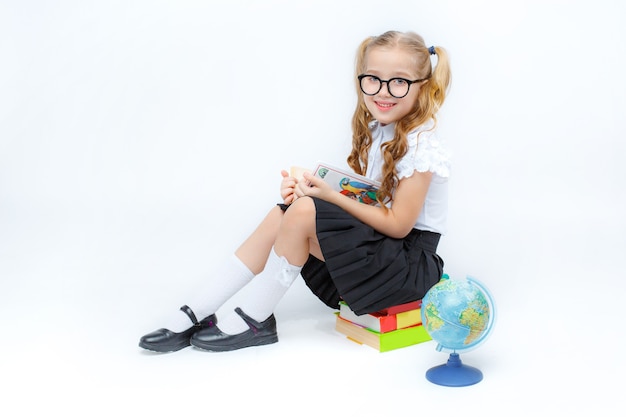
<point x="401" y="308"/>
<point x="382" y="323"/>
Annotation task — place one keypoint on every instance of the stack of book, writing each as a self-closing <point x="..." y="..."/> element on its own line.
<point x="393" y="328"/>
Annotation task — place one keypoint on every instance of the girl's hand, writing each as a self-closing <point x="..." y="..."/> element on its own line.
<point x="287" y="188"/>
<point x="314" y="187"/>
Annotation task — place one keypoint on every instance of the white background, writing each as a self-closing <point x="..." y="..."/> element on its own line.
<point x="141" y="141"/>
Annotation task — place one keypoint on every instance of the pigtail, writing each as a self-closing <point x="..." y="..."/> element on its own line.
<point x="439" y="80"/>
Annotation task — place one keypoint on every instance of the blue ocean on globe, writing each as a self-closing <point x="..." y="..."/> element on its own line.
<point x="457" y="314"/>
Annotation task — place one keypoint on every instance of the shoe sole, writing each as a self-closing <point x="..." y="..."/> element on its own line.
<point x="163" y="349"/>
<point x="256" y="341"/>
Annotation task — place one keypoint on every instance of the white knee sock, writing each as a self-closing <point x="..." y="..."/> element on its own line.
<point x="263" y="294"/>
<point x="219" y="287"/>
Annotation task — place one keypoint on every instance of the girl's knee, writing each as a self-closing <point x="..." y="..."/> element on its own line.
<point x="303" y="206"/>
<point x="300" y="211"/>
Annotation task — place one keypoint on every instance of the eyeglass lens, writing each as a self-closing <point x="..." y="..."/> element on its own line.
<point x="397" y="87"/>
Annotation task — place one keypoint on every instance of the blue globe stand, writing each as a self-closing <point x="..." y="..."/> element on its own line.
<point x="454" y="373"/>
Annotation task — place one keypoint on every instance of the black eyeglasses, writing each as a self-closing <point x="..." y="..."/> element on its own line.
<point x="397" y="87"/>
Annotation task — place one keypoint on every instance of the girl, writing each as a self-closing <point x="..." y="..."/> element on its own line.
<point x="372" y="257"/>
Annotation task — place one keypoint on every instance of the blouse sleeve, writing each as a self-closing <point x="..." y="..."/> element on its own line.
<point x="425" y="153"/>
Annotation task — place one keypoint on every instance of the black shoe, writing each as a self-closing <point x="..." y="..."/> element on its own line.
<point x="214" y="340"/>
<point x="164" y="340"/>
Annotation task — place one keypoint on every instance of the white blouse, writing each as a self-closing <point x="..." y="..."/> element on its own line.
<point x="425" y="153"/>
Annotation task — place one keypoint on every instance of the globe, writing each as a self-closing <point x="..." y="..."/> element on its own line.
<point x="458" y="315"/>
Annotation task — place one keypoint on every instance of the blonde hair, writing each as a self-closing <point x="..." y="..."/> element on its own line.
<point x="430" y="98"/>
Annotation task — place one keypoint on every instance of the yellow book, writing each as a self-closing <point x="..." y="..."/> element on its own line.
<point x="409" y="318"/>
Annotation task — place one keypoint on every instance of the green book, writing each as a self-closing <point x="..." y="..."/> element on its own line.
<point x="383" y="342"/>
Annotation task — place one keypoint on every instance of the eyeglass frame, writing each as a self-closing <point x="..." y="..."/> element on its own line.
<point x="410" y="82"/>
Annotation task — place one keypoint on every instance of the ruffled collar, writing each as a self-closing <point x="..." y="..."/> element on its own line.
<point x="386" y="131"/>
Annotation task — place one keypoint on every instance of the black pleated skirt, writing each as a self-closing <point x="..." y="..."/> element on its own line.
<point x="366" y="269"/>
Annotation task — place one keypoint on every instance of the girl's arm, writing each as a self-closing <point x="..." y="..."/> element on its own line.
<point x="396" y="222"/>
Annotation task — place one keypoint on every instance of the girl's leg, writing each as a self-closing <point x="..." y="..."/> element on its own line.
<point x="232" y="275"/>
<point x="254" y="251"/>
<point x="296" y="238"/>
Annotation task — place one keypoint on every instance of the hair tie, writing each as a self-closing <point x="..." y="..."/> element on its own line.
<point x="432" y="50"/>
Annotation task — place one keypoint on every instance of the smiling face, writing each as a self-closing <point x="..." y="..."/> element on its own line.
<point x="387" y="63"/>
